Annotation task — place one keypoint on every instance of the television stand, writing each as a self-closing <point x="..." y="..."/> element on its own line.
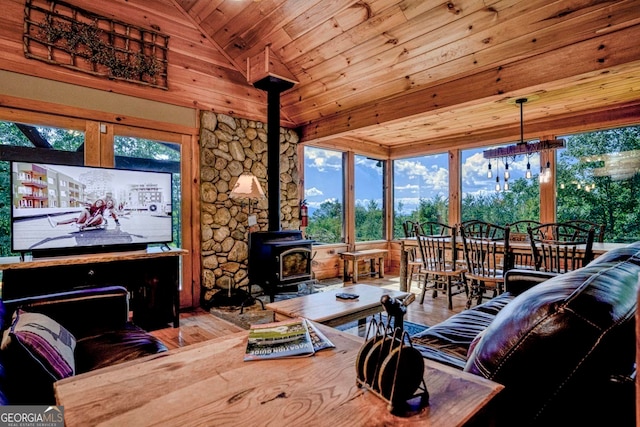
<point x="151" y="275"/>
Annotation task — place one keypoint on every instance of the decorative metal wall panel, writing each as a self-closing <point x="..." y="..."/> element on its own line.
<point x="61" y="34"/>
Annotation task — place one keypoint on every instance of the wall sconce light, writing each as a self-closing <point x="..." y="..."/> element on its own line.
<point x="248" y="187"/>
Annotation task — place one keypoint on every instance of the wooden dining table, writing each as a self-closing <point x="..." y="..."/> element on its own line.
<point x="516" y="247"/>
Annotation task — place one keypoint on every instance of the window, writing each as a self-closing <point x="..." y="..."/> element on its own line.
<point x="369" y="194"/>
<point x="324" y="194"/>
<point x="486" y="199"/>
<point x="420" y="190"/>
<point x="598" y="180"/>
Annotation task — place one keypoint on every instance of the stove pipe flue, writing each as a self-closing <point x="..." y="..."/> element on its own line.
<point x="273" y="86"/>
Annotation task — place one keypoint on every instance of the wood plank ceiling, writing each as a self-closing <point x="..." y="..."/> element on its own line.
<point x="395" y="77"/>
<point x="406" y="74"/>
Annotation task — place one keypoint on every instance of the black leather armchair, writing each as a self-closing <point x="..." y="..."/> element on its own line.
<point x="97" y="318"/>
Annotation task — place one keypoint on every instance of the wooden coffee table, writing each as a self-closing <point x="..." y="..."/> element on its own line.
<point x="210" y="384"/>
<point x="325" y="308"/>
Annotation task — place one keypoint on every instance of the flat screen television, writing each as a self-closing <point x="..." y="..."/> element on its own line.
<point x="59" y="209"/>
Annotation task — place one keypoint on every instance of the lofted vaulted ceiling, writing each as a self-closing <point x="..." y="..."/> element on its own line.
<point x="409" y="73"/>
<point x="393" y="77"/>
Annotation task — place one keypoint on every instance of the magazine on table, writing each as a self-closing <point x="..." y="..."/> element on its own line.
<point x="289" y="338"/>
<point x="319" y="340"/>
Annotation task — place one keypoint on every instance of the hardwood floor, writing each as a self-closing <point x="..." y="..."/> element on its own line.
<point x="199" y="325"/>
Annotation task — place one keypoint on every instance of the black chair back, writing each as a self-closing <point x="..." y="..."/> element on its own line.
<point x="561" y="247"/>
<point x="518" y="229"/>
<point x="518" y="233"/>
<point x="487" y="255"/>
<point x="409" y="228"/>
<point x="598" y="228"/>
<point x="438" y="250"/>
<point x="482" y="229"/>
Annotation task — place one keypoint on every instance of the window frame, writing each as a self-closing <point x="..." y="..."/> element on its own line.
<point x="99" y="151"/>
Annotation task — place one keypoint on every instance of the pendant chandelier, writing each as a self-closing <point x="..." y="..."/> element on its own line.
<point x="521" y="148"/>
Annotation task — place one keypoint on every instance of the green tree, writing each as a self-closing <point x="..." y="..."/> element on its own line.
<point x="325" y="224"/>
<point x="146" y="149"/>
<point x="610" y="198"/>
<point x="369" y="222"/>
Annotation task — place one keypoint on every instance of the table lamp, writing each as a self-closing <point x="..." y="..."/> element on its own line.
<point x="248" y="187"/>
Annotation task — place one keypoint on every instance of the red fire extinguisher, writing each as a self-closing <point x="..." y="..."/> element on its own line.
<point x="304" y="214"/>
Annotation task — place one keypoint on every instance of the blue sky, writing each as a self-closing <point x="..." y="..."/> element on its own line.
<point x="415" y="178"/>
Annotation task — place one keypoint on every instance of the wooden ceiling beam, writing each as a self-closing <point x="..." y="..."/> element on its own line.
<point x="367" y="148"/>
<point x="597" y="55"/>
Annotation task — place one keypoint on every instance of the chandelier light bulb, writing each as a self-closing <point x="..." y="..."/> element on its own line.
<point x="489" y="173"/>
<point x="528" y="173"/>
<point x="506" y="171"/>
<point x="506" y="185"/>
<point x="497" y="183"/>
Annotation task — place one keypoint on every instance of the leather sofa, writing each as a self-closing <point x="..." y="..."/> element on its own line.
<point x="562" y="345"/>
<point x="97" y="322"/>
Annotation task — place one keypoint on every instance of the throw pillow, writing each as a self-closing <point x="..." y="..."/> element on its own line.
<point x="44" y="340"/>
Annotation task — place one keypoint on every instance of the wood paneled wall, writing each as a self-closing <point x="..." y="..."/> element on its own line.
<point x="200" y="77"/>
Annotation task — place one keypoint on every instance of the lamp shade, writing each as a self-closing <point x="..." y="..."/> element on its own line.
<point x="247" y="187"/>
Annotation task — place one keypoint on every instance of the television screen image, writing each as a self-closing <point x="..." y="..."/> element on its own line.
<point x="56" y="207"/>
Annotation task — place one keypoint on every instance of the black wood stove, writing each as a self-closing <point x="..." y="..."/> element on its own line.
<point x="279" y="260"/>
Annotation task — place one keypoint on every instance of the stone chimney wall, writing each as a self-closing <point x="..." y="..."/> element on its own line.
<point x="229" y="147"/>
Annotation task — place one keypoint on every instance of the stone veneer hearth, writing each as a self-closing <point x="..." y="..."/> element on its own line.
<point x="229" y="147"/>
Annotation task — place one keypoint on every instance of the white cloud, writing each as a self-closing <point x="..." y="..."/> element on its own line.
<point x="365" y="202"/>
<point x="369" y="163"/>
<point x="407" y="201"/>
<point x="316" y="205"/>
<point x="410" y="188"/>
<point x="313" y="191"/>
<point x="322" y="159"/>
<point x="474" y="167"/>
<point x="433" y="176"/>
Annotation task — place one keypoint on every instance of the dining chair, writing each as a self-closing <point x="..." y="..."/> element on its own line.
<point x="487" y="255"/>
<point x="583" y="223"/>
<point x="561" y="247"/>
<point x="518" y="229"/>
<point x="518" y="233"/>
<point x="480" y="228"/>
<point x="414" y="263"/>
<point x="438" y="252"/>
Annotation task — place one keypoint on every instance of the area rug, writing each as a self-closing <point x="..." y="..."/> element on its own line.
<point x="255" y="314"/>
<point x="411" y="327"/>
